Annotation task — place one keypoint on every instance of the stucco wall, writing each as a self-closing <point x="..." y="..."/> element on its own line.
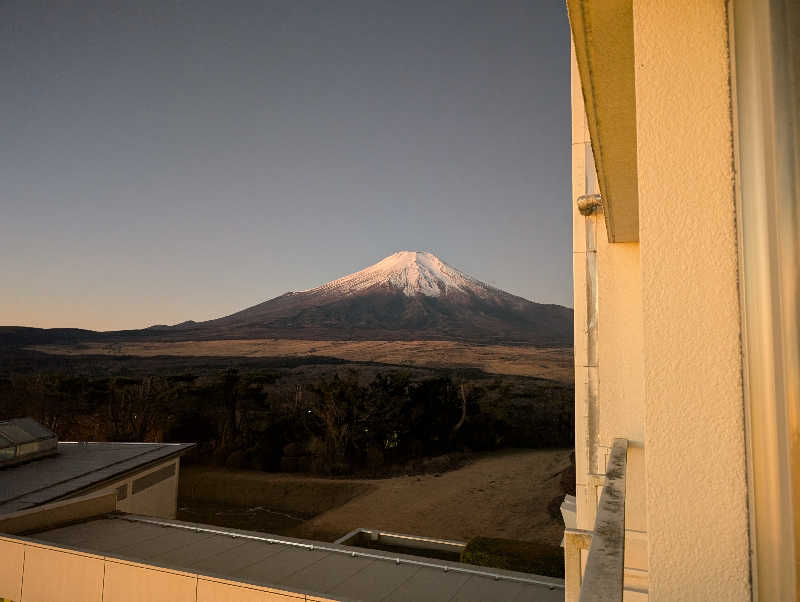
<point x="620" y="341"/>
<point x="620" y="348"/>
<point x="579" y="138"/>
<point x="695" y="454"/>
<point x="619" y="376"/>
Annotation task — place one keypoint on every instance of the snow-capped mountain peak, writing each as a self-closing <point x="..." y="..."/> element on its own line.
<point x="410" y="295"/>
<point x="412" y="272"/>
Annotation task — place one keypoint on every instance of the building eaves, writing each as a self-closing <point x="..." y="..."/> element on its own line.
<point x="602" y="33"/>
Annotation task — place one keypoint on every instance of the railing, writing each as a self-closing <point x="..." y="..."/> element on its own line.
<point x="603" y="579"/>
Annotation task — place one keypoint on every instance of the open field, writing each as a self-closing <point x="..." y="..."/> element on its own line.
<point x="552" y="363"/>
<point x="501" y="494"/>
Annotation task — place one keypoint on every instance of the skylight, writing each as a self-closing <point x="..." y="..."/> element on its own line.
<point x="23" y="439"/>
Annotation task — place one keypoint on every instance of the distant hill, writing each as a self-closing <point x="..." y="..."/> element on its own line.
<point x="17" y="336"/>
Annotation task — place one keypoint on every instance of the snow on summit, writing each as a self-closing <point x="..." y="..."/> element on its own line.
<point x="408" y="296"/>
<point x="413" y="272"/>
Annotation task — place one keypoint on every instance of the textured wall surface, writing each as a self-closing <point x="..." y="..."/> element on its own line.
<point x="619" y="409"/>
<point x="620" y="341"/>
<point x="695" y="453"/>
<point x="579" y="138"/>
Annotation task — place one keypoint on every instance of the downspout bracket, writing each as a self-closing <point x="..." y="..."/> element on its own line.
<point x="589" y="204"/>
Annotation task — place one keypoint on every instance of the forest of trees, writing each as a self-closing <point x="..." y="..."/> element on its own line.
<point x="336" y="419"/>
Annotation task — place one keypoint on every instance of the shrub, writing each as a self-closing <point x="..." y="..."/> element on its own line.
<point x="513" y="555"/>
<point x="236" y="459"/>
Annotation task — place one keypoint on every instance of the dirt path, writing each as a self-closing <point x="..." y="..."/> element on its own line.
<point x="500" y="495"/>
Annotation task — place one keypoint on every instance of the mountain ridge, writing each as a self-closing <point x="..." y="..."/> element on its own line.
<point x="409" y="295"/>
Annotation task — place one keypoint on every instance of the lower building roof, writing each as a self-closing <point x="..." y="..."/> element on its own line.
<point x="77" y="467"/>
<point x="296" y="565"/>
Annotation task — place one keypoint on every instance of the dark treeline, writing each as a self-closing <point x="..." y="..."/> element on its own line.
<point x="315" y="417"/>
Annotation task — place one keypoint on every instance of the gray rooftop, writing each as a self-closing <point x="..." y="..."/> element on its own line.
<point x="298" y="565"/>
<point x="76" y="467"/>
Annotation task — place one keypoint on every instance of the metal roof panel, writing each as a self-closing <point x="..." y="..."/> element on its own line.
<point x="324" y="570"/>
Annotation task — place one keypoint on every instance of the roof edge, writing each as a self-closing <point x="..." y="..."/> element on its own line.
<point x="602" y="32"/>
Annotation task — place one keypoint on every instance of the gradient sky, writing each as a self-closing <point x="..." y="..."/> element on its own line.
<point x="164" y="160"/>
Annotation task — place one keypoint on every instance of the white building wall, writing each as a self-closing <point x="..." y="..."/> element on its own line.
<point x="694" y="428"/>
<point x="617" y="409"/>
<point x="152" y="499"/>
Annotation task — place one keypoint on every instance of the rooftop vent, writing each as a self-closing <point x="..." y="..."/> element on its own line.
<point x="23" y="439"/>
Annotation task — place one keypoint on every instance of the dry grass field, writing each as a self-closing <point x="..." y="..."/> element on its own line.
<point x="552" y="363"/>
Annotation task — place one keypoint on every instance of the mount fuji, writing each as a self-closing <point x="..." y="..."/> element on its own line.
<point x="409" y="295"/>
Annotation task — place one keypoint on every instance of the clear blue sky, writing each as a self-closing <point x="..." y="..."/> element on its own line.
<point x="164" y="160"/>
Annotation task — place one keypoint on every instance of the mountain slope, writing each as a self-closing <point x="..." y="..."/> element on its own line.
<point x="408" y="295"/>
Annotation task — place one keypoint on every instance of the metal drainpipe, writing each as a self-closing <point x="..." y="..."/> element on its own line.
<point x="589" y="205"/>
